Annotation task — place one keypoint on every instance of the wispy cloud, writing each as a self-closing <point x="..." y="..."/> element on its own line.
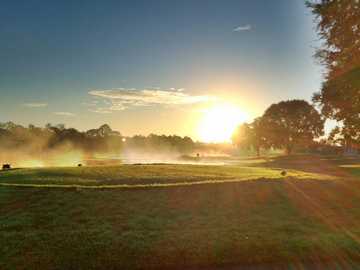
<point x="67" y="114"/>
<point x="121" y="98"/>
<point x="35" y="105"/>
<point x="92" y="103"/>
<point x="241" y="28"/>
<point x="101" y="110"/>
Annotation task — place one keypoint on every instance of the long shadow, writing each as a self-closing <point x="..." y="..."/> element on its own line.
<point x="329" y="165"/>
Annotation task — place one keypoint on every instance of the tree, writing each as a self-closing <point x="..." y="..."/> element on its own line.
<point x="291" y="123"/>
<point x="338" y="24"/>
<point x="60" y="126"/>
<point x="251" y="136"/>
<point x="102" y="132"/>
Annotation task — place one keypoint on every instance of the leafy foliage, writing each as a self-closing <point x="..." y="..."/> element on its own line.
<point x="285" y="125"/>
<point x="291" y="123"/>
<point x="251" y="136"/>
<point x="339" y="98"/>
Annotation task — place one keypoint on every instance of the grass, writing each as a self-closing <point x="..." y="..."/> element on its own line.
<point x="242" y="219"/>
<point x="143" y="175"/>
<point x="354" y="169"/>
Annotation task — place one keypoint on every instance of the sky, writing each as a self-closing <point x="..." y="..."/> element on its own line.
<point x="152" y="66"/>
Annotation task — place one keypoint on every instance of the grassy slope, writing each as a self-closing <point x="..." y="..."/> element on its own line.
<point x="234" y="223"/>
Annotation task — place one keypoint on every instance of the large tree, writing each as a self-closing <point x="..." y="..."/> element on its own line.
<point x="338" y="24"/>
<point x="251" y="136"/>
<point x="292" y="123"/>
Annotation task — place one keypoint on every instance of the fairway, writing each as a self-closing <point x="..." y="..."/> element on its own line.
<point x="145" y="175"/>
<point x="182" y="216"/>
<point x="180" y="135"/>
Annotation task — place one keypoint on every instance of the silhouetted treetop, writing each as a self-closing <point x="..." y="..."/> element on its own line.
<point x="291" y="123"/>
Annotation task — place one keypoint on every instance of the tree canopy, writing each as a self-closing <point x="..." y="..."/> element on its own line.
<point x="284" y="125"/>
<point x="338" y="24"/>
<point x="291" y="123"/>
<point x="251" y="136"/>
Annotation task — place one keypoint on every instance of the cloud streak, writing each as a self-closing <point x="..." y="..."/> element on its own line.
<point x="122" y="99"/>
<point x="66" y="114"/>
<point x="101" y="110"/>
<point x="241" y="28"/>
<point x="35" y="105"/>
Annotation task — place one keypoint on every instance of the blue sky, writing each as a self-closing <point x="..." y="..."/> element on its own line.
<point x="147" y="66"/>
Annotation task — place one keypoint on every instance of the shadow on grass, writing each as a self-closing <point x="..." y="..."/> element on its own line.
<point x="328" y="165"/>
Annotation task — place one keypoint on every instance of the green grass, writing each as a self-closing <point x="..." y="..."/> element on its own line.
<point x="354" y="169"/>
<point x="144" y="175"/>
<point x="294" y="221"/>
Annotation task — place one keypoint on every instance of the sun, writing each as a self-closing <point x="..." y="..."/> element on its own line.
<point x="219" y="121"/>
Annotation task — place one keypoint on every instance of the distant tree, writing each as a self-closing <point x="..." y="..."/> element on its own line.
<point x="60" y="126"/>
<point x="101" y="132"/>
<point x="10" y="126"/>
<point x="104" y="131"/>
<point x="291" y="123"/>
<point x="161" y="143"/>
<point x="338" y="24"/>
<point x="37" y="141"/>
<point x="251" y="136"/>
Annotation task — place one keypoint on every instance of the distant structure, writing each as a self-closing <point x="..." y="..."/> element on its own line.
<point x="6" y="166"/>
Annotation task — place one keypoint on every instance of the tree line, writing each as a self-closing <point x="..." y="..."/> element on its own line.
<point x="296" y="123"/>
<point x="33" y="139"/>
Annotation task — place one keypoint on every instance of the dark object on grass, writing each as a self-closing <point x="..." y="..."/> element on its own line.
<point x="283" y="173"/>
<point x="6" y="166"/>
<point x="79" y="165"/>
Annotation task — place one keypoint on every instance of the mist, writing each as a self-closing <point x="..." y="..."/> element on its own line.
<point x="57" y="146"/>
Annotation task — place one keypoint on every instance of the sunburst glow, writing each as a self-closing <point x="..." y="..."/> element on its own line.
<point x="219" y="122"/>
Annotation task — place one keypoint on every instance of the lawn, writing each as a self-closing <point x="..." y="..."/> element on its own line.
<point x="183" y="216"/>
<point x="144" y="175"/>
